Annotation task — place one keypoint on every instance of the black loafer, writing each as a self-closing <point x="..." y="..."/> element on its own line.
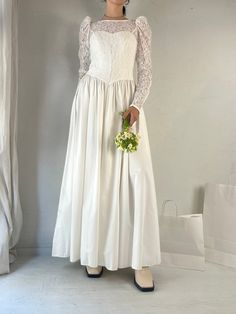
<point x="94" y="275"/>
<point x="144" y="289"/>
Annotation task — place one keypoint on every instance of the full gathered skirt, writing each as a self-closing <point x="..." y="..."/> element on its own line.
<point x="107" y="213"/>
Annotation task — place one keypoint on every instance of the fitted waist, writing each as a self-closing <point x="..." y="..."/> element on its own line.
<point x="108" y="78"/>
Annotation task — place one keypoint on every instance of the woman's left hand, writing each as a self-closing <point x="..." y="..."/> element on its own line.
<point x="134" y="114"/>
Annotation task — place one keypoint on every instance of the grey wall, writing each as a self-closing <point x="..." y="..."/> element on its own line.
<point x="190" y="111"/>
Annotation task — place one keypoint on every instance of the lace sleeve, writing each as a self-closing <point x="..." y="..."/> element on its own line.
<point x="144" y="62"/>
<point x="84" y="53"/>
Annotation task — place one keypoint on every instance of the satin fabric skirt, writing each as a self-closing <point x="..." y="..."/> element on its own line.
<point x="107" y="213"/>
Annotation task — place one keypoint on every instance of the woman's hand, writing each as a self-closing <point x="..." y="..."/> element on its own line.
<point x="134" y="114"/>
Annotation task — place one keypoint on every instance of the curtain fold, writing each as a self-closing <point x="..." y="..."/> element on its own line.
<point x="11" y="218"/>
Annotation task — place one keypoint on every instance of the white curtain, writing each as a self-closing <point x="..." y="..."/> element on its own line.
<point x="11" y="218"/>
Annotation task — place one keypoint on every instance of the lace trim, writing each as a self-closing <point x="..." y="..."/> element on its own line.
<point x="141" y="28"/>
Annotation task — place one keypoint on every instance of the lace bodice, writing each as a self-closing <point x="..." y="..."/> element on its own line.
<point x="142" y="54"/>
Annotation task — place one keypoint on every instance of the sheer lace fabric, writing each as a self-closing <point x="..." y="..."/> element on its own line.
<point x="142" y="31"/>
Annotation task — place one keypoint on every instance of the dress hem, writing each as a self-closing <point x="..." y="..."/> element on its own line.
<point x="157" y="263"/>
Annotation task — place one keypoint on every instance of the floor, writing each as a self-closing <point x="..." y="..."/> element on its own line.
<point x="45" y="284"/>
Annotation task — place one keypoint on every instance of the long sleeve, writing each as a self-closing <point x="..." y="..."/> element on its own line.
<point x="144" y="62"/>
<point x="84" y="52"/>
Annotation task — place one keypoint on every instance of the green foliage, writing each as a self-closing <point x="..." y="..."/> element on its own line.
<point x="126" y="140"/>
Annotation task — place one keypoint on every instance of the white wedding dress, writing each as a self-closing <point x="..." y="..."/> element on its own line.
<point x="107" y="213"/>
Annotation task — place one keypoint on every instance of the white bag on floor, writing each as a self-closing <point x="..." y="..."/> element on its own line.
<point x="181" y="238"/>
<point x="219" y="223"/>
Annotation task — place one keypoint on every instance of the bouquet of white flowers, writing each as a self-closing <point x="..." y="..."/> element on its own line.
<point x="126" y="140"/>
